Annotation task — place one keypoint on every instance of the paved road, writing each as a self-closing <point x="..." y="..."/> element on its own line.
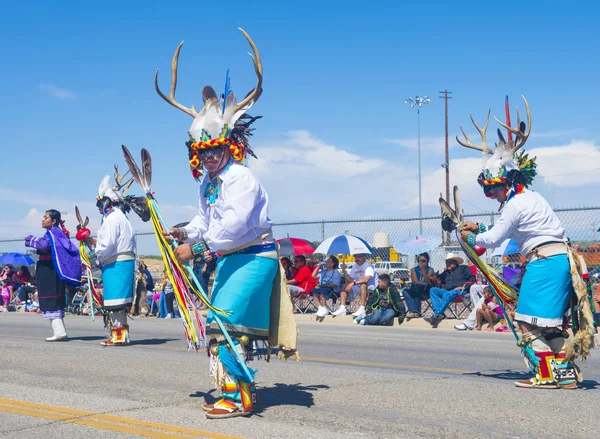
<point x="353" y="382"/>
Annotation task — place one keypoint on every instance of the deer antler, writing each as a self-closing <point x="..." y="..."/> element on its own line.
<point x="483" y="147"/>
<point x="253" y="96"/>
<point x="171" y="99"/>
<point x="519" y="131"/>
<point x="119" y="181"/>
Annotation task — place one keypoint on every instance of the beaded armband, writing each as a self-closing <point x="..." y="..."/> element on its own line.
<point x="482" y="228"/>
<point x="184" y="234"/>
<point x="471" y="239"/>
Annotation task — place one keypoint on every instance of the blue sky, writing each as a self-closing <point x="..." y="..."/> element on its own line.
<point x="77" y="82"/>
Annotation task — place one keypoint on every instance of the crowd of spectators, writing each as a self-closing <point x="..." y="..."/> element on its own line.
<point x="378" y="300"/>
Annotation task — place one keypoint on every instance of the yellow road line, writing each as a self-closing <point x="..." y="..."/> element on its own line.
<point x="309" y="359"/>
<point x="115" y="423"/>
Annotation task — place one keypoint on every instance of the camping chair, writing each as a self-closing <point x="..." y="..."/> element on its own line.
<point x="462" y="304"/>
<point x="304" y="303"/>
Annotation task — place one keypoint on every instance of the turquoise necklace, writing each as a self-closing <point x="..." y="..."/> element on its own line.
<point x="213" y="188"/>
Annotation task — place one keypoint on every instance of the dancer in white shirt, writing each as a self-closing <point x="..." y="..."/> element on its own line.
<point x="547" y="287"/>
<point x="233" y="221"/>
<point x="115" y="247"/>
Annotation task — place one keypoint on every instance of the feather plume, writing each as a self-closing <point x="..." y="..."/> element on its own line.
<point x="134" y="169"/>
<point x="147" y="167"/>
<point x="78" y="215"/>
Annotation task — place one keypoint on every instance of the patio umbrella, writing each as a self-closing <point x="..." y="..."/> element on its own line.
<point x="415" y="245"/>
<point x="16" y="259"/>
<point x="295" y="246"/>
<point x="344" y="244"/>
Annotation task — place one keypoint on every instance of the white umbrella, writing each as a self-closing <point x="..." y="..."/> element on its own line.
<point x="415" y="245"/>
<point x="344" y="244"/>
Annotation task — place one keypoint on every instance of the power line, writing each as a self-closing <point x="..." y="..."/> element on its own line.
<point x="570" y="173"/>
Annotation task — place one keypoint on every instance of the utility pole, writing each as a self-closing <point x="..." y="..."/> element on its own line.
<point x="445" y="97"/>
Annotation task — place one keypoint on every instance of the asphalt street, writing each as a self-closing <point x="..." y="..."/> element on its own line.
<point x="362" y="382"/>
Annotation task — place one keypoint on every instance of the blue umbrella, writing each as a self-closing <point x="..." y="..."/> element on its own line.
<point x="344" y="244"/>
<point x="508" y="247"/>
<point x="16" y="259"/>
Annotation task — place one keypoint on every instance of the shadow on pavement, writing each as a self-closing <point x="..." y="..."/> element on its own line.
<point x="87" y="338"/>
<point x="511" y="375"/>
<point x="151" y="341"/>
<point x="277" y="395"/>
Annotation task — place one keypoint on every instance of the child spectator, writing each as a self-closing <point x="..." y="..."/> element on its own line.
<point x="383" y="305"/>
<point x="490" y="311"/>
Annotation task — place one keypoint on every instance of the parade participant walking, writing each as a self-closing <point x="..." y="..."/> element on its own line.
<point x="58" y="262"/>
<point x="115" y="247"/>
<point x="552" y="273"/>
<point x="233" y="221"/>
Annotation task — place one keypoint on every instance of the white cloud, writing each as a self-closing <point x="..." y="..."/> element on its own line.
<point x="302" y="153"/>
<point x="570" y="165"/>
<point x="307" y="178"/>
<point x="15" y="228"/>
<point x="57" y="92"/>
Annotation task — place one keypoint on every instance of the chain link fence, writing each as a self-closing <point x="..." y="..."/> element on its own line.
<point x="580" y="223"/>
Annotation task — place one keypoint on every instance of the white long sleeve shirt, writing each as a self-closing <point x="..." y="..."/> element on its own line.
<point x="528" y="219"/>
<point x="116" y="236"/>
<point x="239" y="216"/>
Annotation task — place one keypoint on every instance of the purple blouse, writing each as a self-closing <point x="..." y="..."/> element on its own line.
<point x="65" y="254"/>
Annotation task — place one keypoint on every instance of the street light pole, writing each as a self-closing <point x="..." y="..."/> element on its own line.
<point x="418" y="103"/>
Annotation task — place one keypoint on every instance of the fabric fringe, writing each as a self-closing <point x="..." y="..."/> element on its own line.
<point x="217" y="371"/>
<point x="583" y="340"/>
<point x="283" y="332"/>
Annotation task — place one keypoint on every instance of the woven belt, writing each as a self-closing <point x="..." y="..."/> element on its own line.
<point x="255" y="249"/>
<point x="543" y="251"/>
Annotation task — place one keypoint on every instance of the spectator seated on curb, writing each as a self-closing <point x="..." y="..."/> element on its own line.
<point x="490" y="311"/>
<point x="361" y="281"/>
<point x="453" y="281"/>
<point x="302" y="282"/>
<point x="383" y="305"/>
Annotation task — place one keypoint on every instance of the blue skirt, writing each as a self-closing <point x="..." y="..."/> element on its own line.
<point x="118" y="279"/>
<point x="243" y="285"/>
<point x="545" y="292"/>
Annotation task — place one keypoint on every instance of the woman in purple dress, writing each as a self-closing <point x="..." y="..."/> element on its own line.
<point x="58" y="262"/>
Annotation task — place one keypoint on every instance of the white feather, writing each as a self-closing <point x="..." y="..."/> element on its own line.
<point x="502" y="156"/>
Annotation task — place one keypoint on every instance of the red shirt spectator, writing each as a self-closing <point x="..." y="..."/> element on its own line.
<point x="302" y="282"/>
<point x="303" y="277"/>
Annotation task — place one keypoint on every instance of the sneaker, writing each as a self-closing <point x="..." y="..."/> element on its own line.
<point x="322" y="311"/>
<point x="358" y="320"/>
<point x="363" y="322"/>
<point x="461" y="327"/>
<point x="360" y="313"/>
<point x="341" y="311"/>
<point x="168" y="316"/>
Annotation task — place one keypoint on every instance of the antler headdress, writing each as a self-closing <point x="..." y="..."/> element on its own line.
<point x="504" y="164"/>
<point x="220" y="122"/>
<point x="116" y="192"/>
